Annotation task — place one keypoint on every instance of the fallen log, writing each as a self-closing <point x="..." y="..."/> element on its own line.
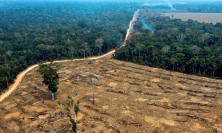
<point x="192" y="116"/>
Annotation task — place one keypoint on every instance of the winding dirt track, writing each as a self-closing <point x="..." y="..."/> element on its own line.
<point x="19" y="78"/>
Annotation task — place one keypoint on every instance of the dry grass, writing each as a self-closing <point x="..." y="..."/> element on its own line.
<point x="201" y="17"/>
<point x="129" y="98"/>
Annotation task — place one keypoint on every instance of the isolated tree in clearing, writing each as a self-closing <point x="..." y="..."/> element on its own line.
<point x="50" y="76"/>
<point x="91" y="79"/>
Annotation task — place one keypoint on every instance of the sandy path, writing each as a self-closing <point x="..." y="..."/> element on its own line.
<point x="19" y="78"/>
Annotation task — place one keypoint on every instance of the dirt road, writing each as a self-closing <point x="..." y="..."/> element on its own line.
<point x="152" y="99"/>
<point x="19" y="78"/>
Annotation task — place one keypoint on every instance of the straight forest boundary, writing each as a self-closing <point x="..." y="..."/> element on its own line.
<point x="20" y="77"/>
<point x="201" y="17"/>
<point x="128" y="98"/>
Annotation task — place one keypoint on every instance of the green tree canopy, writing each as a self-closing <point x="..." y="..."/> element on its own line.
<point x="50" y="76"/>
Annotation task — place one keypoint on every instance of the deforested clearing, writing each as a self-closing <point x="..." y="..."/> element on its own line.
<point x="201" y="17"/>
<point x="128" y="98"/>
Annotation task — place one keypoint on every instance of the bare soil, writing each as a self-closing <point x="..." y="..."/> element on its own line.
<point x="128" y="98"/>
<point x="201" y="17"/>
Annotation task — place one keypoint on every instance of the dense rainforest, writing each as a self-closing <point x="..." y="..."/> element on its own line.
<point x="58" y="30"/>
<point x="34" y="31"/>
<point x="183" y="46"/>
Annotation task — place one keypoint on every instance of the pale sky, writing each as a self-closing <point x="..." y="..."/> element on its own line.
<point x="138" y="1"/>
<point x="125" y="0"/>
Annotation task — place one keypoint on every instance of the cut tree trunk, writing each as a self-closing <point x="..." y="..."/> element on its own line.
<point x="53" y="97"/>
<point x="76" y="124"/>
<point x="93" y="94"/>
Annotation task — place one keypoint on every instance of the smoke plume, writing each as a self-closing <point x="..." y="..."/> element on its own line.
<point x="137" y="18"/>
<point x="170" y="5"/>
<point x="132" y="24"/>
<point x="147" y="26"/>
<point x="157" y="3"/>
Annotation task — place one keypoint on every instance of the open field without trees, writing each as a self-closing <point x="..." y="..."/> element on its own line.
<point x="200" y="17"/>
<point x="184" y="46"/>
<point x="128" y="98"/>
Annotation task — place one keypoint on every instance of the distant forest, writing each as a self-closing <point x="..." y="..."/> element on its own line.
<point x="58" y="30"/>
<point x="183" y="46"/>
<point x="214" y="7"/>
<point x="210" y="7"/>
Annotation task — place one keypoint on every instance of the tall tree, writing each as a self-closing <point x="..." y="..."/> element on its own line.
<point x="42" y="48"/>
<point x="172" y="16"/>
<point x="100" y="43"/>
<point x="72" y="50"/>
<point x="8" y="70"/>
<point x="91" y="79"/>
<point x="195" y="49"/>
<point x="85" y="48"/>
<point x="57" y="49"/>
<point x="166" y="49"/>
<point x="181" y="37"/>
<point x="173" y="62"/>
<point x="50" y="76"/>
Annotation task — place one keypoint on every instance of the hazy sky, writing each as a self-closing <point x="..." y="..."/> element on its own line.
<point x="139" y="1"/>
<point x="122" y="0"/>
